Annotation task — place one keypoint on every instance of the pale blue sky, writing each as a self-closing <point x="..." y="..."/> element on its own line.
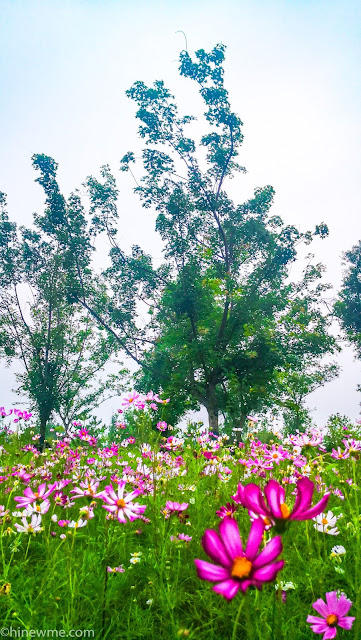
<point x="293" y="72"/>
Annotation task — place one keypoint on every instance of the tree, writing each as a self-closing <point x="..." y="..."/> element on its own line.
<point x="60" y="349"/>
<point x="225" y="320"/>
<point x="348" y="305"/>
<point x="229" y="320"/>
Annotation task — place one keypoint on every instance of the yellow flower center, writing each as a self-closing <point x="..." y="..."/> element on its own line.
<point x="38" y="507"/>
<point x="332" y="620"/>
<point x="228" y="513"/>
<point x="275" y="455"/>
<point x="267" y="521"/>
<point x="324" y="521"/>
<point x="36" y="495"/>
<point x="241" y="568"/>
<point x="121" y="503"/>
<point x="284" y="510"/>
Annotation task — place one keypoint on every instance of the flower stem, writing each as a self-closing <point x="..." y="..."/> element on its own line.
<point x="234" y="633"/>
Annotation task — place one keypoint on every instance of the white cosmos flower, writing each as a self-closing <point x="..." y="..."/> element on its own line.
<point x="325" y="523"/>
<point x="41" y="508"/>
<point x="338" y="550"/>
<point x="78" y="524"/>
<point x="32" y="527"/>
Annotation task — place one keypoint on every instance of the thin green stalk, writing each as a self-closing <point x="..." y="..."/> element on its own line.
<point x="234" y="632"/>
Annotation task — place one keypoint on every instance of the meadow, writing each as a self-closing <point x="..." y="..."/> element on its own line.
<point x="110" y="532"/>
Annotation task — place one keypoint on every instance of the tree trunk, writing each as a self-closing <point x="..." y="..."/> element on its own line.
<point x="43" y="423"/>
<point x="212" y="410"/>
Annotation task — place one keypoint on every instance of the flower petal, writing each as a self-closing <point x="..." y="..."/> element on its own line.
<point x="231" y="539"/>
<point x="275" y="495"/>
<point x="314" y="511"/>
<point x="305" y="489"/>
<point x="253" y="500"/>
<point x="321" y="607"/>
<point x="214" y="548"/>
<point x="269" y="553"/>
<point x="269" y="572"/>
<point x="344" y="605"/>
<point x="208" y="571"/>
<point x="228" y="589"/>
<point x="254" y="538"/>
<point x="346" y="622"/>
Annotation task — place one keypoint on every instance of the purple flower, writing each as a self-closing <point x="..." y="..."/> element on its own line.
<point x="238" y="567"/>
<point x="333" y="615"/>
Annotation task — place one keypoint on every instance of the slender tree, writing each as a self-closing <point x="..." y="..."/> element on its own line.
<point x="60" y="349"/>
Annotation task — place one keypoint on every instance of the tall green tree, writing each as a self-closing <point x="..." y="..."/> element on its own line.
<point x="229" y="319"/>
<point x="348" y="305"/>
<point x="225" y="319"/>
<point x="60" y="349"/>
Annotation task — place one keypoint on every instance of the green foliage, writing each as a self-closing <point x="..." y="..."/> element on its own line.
<point x="60" y="349"/>
<point x="348" y="305"/>
<point x="232" y="331"/>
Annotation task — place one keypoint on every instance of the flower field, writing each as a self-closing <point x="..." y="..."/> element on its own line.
<point x="148" y="532"/>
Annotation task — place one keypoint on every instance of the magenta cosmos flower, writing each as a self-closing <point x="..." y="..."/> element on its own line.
<point x="30" y="496"/>
<point x="333" y="615"/>
<point x="238" y="567"/>
<point x="276" y="509"/>
<point x="121" y="505"/>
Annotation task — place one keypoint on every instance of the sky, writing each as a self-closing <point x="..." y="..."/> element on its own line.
<point x="293" y="75"/>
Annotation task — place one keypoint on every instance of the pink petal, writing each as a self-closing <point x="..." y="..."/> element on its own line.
<point x="344" y="605"/>
<point x="318" y="621"/>
<point x="321" y="607"/>
<point x="228" y="589"/>
<point x="347" y="622"/>
<point x="229" y="533"/>
<point x="253" y="500"/>
<point x="332" y="602"/>
<point x="315" y="511"/>
<point x="208" y="571"/>
<point x="269" y="553"/>
<point x="305" y="488"/>
<point x="275" y="495"/>
<point x="269" y="572"/>
<point x="330" y="633"/>
<point x="245" y="584"/>
<point x="214" y="548"/>
<point x="254" y="538"/>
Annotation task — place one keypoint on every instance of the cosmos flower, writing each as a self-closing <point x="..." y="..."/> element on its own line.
<point x="121" y="505"/>
<point x="115" y="569"/>
<point x="41" y="508"/>
<point x="238" y="567"/>
<point x="33" y="527"/>
<point x="333" y="615"/>
<point x="326" y="523"/>
<point x="250" y="497"/>
<point x="30" y="496"/>
<point x="176" y="507"/>
<point x="228" y="510"/>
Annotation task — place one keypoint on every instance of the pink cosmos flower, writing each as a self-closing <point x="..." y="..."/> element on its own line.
<point x="88" y="488"/>
<point x="238" y="567"/>
<point x="333" y="615"/>
<point x="162" y="426"/>
<point x="115" y="569"/>
<point x="121" y="505"/>
<point x="250" y="497"/>
<point x="228" y="510"/>
<point x="176" y="507"/>
<point x="130" y="399"/>
<point x="29" y="496"/>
